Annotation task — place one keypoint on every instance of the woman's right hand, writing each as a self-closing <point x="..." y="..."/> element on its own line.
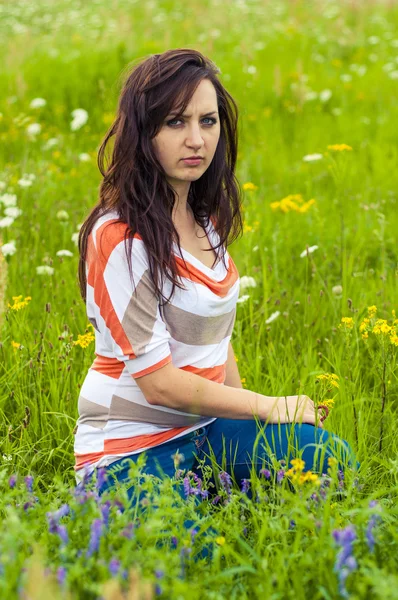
<point x="292" y="409"/>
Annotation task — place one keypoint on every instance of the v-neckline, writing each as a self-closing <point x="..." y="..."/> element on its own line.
<point x="214" y="269"/>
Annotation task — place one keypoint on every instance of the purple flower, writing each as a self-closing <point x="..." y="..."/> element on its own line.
<point x="101" y="478"/>
<point x="61" y="575"/>
<point x="96" y="532"/>
<point x="29" y="483"/>
<point x="280" y="475"/>
<point x="12" y="482"/>
<point x="158" y="590"/>
<point x="245" y="485"/>
<point x="174" y="541"/>
<point x="128" y="531"/>
<point x="193" y="533"/>
<point x="374" y="519"/>
<point x="105" y="510"/>
<point x="266" y="473"/>
<point x="114" y="566"/>
<point x="216" y="499"/>
<point x="63" y="534"/>
<point x="226" y="482"/>
<point x="159" y="573"/>
<point x="345" y="561"/>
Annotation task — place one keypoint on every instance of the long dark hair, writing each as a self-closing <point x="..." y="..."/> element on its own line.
<point x="134" y="183"/>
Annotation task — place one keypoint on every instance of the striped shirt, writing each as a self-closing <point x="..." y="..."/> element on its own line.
<point x="133" y="339"/>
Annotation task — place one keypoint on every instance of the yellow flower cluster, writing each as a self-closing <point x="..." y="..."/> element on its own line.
<point x="248" y="228"/>
<point x="329" y="403"/>
<point x="19" y="303"/>
<point x="348" y="322"/>
<point x="220" y="540"/>
<point x="339" y="147"/>
<point x="331" y="378"/>
<point x="250" y="186"/>
<point x="293" y="202"/>
<point x="379" y="327"/>
<point x="296" y="473"/>
<point x="84" y="340"/>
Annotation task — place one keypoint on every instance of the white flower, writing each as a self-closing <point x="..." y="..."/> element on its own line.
<point x="310" y="250"/>
<point x="80" y="117"/>
<point x="33" y="129"/>
<point x="246" y="282"/>
<point x="8" y="249"/>
<point x="50" y="143"/>
<point x="255" y="248"/>
<point x="44" y="270"/>
<point x="84" y="157"/>
<point x="310" y="95"/>
<point x="78" y="227"/>
<point x="312" y="157"/>
<point x="6" y="222"/>
<point x="373" y="39"/>
<point x="8" y="199"/>
<point x="346" y="77"/>
<point x="13" y="211"/>
<point x="24" y="183"/>
<point x="37" y="103"/>
<point x="62" y="215"/>
<point x="64" y="253"/>
<point x="251" y="69"/>
<point x="337" y="290"/>
<point x="325" y="95"/>
<point x="243" y="299"/>
<point x="3" y="185"/>
<point x="393" y="75"/>
<point x="75" y="237"/>
<point x="273" y="317"/>
<point x="336" y="111"/>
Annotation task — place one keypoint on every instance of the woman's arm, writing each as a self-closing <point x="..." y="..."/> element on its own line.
<point x="232" y="378"/>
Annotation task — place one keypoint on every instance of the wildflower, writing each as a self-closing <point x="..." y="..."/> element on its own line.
<point x="273" y="317"/>
<point x="348" y="322"/>
<point x="18" y="303"/>
<point x="243" y="299"/>
<point x="101" y="477"/>
<point x="84" y="157"/>
<point x="331" y="378"/>
<point x="308" y="250"/>
<point x="96" y="532"/>
<point x="245" y="485"/>
<point x="114" y="566"/>
<point x="220" y="540"/>
<point x="29" y="483"/>
<point x="50" y="143"/>
<point x="84" y="340"/>
<point x="266" y="473"/>
<point x="44" y="270"/>
<point x="61" y="575"/>
<point x="33" y="129"/>
<point x="328" y="403"/>
<point x="280" y="475"/>
<point x="8" y="199"/>
<point x="75" y="238"/>
<point x="6" y="222"/>
<point x="26" y="180"/>
<point x="105" y="510"/>
<point x="62" y="215"/>
<point x="246" y="282"/>
<point x="293" y="202"/>
<point x="250" y="186"/>
<point x="64" y="253"/>
<point x="80" y="117"/>
<point x="226" y="482"/>
<point x="13" y="212"/>
<point x="345" y="561"/>
<point x="337" y="290"/>
<point x="174" y="541"/>
<point x="339" y="147"/>
<point x="8" y="249"/>
<point x="12" y="482"/>
<point x="216" y="499"/>
<point x="325" y="95"/>
<point x="37" y="103"/>
<point x="374" y="519"/>
<point x="312" y="157"/>
<point x="372" y="310"/>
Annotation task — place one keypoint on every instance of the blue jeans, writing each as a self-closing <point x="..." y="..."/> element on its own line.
<point x="231" y="443"/>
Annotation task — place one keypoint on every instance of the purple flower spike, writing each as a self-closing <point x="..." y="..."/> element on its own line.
<point x="226" y="482"/>
<point x="345" y="561"/>
<point x="101" y="478"/>
<point x="61" y="575"/>
<point x="114" y="566"/>
<point x="266" y="473"/>
<point x="174" y="541"/>
<point x="29" y="483"/>
<point x="159" y="573"/>
<point x="96" y="532"/>
<point x="105" y="510"/>
<point x="12" y="482"/>
<point x="280" y="475"/>
<point x="245" y="485"/>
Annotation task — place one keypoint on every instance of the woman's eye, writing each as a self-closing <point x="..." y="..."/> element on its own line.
<point x="212" y="121"/>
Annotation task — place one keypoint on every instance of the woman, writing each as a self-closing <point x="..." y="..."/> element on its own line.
<point x="161" y="291"/>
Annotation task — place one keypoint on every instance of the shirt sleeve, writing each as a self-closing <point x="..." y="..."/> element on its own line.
<point x="128" y="307"/>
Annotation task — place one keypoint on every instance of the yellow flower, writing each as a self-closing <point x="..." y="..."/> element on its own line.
<point x="364" y="325"/>
<point x="348" y="322"/>
<point x="220" y="540"/>
<point x="394" y="339"/>
<point x="85" y="340"/>
<point x="330" y="378"/>
<point x="16" y="345"/>
<point x="332" y="461"/>
<point x="339" y="147"/>
<point x="250" y="186"/>
<point x="365" y="335"/>
<point x="18" y="303"/>
<point x="372" y="310"/>
<point x="329" y="403"/>
<point x="293" y="202"/>
<point x="298" y="463"/>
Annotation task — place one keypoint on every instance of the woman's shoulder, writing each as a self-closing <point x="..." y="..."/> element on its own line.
<point x="110" y="231"/>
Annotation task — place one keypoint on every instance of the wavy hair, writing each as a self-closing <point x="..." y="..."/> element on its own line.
<point x="134" y="182"/>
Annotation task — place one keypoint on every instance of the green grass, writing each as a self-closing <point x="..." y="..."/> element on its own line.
<point x="73" y="55"/>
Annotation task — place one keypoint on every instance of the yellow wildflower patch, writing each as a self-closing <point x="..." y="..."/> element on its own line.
<point x="84" y="340"/>
<point x="250" y="186"/>
<point x="220" y="540"/>
<point x="19" y="303"/>
<point x="293" y="202"/>
<point x="348" y="322"/>
<point x="339" y="147"/>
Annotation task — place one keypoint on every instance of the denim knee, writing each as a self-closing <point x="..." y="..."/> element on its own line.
<point x="319" y="444"/>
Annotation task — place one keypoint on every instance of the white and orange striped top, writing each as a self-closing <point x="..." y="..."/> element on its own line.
<point x="133" y="339"/>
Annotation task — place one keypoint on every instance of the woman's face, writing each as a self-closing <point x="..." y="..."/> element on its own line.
<point x="195" y="134"/>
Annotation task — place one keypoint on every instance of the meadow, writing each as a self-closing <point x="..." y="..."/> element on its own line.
<point x="316" y="86"/>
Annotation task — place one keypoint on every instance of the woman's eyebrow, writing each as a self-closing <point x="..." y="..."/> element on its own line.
<point x="214" y="112"/>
